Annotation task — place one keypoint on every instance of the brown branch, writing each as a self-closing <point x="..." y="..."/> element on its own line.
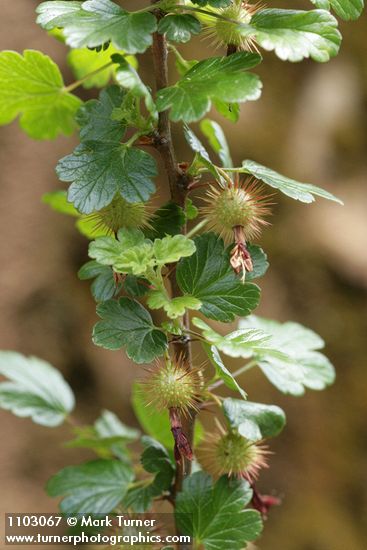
<point x="178" y="184"/>
<point x="177" y="179"/>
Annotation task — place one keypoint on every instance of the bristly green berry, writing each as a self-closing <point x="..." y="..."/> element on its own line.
<point x="121" y="214"/>
<point x="228" y="32"/>
<point x="173" y="385"/>
<point x="230" y="453"/>
<point x="240" y="204"/>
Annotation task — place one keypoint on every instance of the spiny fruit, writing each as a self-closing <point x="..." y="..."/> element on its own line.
<point x="230" y="453"/>
<point x="173" y="385"/>
<point x="239" y="204"/>
<point x="120" y="213"/>
<point x="226" y="30"/>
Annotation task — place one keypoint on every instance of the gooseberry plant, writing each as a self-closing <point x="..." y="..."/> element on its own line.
<point x="158" y="283"/>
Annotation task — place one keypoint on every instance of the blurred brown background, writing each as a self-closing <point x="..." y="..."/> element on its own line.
<point x="310" y="124"/>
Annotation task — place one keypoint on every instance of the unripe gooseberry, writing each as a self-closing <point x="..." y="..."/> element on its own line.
<point x="173" y="385"/>
<point x="121" y="214"/>
<point x="237" y="205"/>
<point x="230" y="453"/>
<point x="226" y="29"/>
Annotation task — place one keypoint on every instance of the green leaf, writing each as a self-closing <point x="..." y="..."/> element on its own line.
<point x="136" y="260"/>
<point x="208" y="276"/>
<point x="214" y="514"/>
<point x="104" y="286"/>
<point x="183" y="65"/>
<point x="129" y="253"/>
<point x="86" y="225"/>
<point x="135" y="286"/>
<point x="167" y="220"/>
<point x="154" y="422"/>
<point x="174" y="307"/>
<point x="230" y="111"/>
<point x="58" y="201"/>
<point x="128" y="324"/>
<point x="217" y="140"/>
<point x="304" y="192"/>
<point x="35" y="389"/>
<point x="51" y="14"/>
<point x="221" y="370"/>
<point x="106" y="250"/>
<point x="302" y="367"/>
<point x="108" y="437"/>
<point x="222" y="78"/>
<point x="213" y="3"/>
<point x="155" y="460"/>
<point x="109" y="425"/>
<point x="100" y="170"/>
<point x="95" y="22"/>
<point x="32" y="86"/>
<point x="84" y="61"/>
<point x="202" y="159"/>
<point x="132" y="253"/>
<point x="346" y="9"/>
<point x="255" y="421"/>
<point x="179" y="28"/>
<point x="93" y="487"/>
<point x="94" y="117"/>
<point x="296" y="34"/>
<point x="259" y="261"/>
<point x="239" y="343"/>
<point x="129" y="79"/>
<point x="191" y="211"/>
<point x="170" y="249"/>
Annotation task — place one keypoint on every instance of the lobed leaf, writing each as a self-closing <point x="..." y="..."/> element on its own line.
<point x="171" y="249"/>
<point x="104" y="285"/>
<point x="216" y="78"/>
<point x="304" y="192"/>
<point x="34" y="389"/>
<point x="95" y="22"/>
<point x="208" y="276"/>
<point x="179" y="28"/>
<point x="303" y="366"/>
<point x="255" y="421"/>
<point x="100" y="170"/>
<point x="295" y="34"/>
<point x="93" y="487"/>
<point x="221" y="370"/>
<point x="154" y="460"/>
<point x="167" y="220"/>
<point x="245" y="342"/>
<point x="32" y="87"/>
<point x="95" y="117"/>
<point x="214" y="514"/>
<point x="84" y="62"/>
<point x="126" y="323"/>
<point x="174" y="307"/>
<point x="346" y="9"/>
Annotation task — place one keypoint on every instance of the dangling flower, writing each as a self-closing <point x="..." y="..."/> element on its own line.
<point x="173" y="384"/>
<point x="230" y="453"/>
<point x="240" y="256"/>
<point x="236" y="212"/>
<point x="226" y="30"/>
<point x="120" y="213"/>
<point x="263" y="503"/>
<point x="182" y="445"/>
